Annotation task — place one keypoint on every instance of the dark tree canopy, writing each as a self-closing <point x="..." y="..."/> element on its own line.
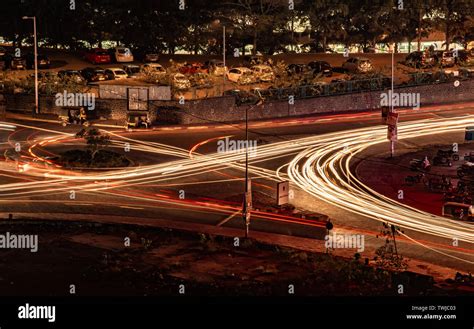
<point x="268" y="25"/>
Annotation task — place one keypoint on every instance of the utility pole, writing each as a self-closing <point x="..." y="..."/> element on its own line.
<point x="247" y="207"/>
<point x="223" y="56"/>
<point x="248" y="196"/>
<point x="36" y="63"/>
<point x="392" y="143"/>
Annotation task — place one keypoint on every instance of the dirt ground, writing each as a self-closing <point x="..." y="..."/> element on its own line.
<point x="94" y="258"/>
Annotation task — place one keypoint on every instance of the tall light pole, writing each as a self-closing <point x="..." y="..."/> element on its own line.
<point x="223" y="56"/>
<point x="247" y="194"/>
<point x="36" y="63"/>
<point x="248" y="191"/>
<point x="392" y="143"/>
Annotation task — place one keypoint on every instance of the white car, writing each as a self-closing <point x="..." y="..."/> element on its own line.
<point x="153" y="67"/>
<point x="180" y="82"/>
<point x="115" y="73"/>
<point x="133" y="71"/>
<point x="264" y="73"/>
<point x="123" y="55"/>
<point x="241" y="75"/>
<point x="216" y="67"/>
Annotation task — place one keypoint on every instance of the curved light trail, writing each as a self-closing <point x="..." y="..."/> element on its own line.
<point x="323" y="171"/>
<point x="320" y="167"/>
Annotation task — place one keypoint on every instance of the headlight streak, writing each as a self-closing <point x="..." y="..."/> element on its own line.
<point x="324" y="172"/>
<point x="321" y="168"/>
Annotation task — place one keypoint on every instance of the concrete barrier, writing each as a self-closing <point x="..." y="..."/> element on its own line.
<point x="224" y="109"/>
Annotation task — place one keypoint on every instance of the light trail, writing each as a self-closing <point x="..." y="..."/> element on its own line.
<point x="320" y="167"/>
<point x="324" y="171"/>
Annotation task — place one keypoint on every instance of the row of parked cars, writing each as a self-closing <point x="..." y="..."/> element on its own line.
<point x="128" y="71"/>
<point x="427" y="59"/>
<point x="116" y="55"/>
<point x="12" y="62"/>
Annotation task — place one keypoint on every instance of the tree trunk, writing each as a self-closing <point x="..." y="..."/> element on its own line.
<point x="420" y="19"/>
<point x="447" y="35"/>
<point x="254" y="50"/>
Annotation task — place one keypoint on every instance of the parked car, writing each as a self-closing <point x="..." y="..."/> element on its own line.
<point x="14" y="62"/>
<point x="200" y="80"/>
<point x="151" y="58"/>
<point x="263" y="73"/>
<point x="43" y="61"/>
<point x="180" y="82"/>
<point x="192" y="68"/>
<point x="133" y="71"/>
<point x="155" y="67"/>
<point x="97" y="56"/>
<point x="253" y="60"/>
<point x="154" y="72"/>
<point x="357" y="65"/>
<point x="115" y="73"/>
<point x="241" y="75"/>
<point x="138" y="120"/>
<point x="420" y="59"/>
<point x="466" y="169"/>
<point x="122" y="55"/>
<point x="296" y="68"/>
<point x="444" y="58"/>
<point x="74" y="116"/>
<point x="321" y="67"/>
<point x="216" y="67"/>
<point x="72" y="74"/>
<point x="18" y="63"/>
<point x="465" y="57"/>
<point x="93" y="74"/>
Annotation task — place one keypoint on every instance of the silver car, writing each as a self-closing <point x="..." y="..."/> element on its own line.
<point x="357" y="65"/>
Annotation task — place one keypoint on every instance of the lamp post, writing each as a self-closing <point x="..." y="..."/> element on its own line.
<point x="223" y="56"/>
<point x="36" y="62"/>
<point x="248" y="192"/>
<point x="392" y="143"/>
<point x="224" y="31"/>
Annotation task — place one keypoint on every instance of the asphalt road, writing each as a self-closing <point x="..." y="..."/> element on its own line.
<point x="180" y="177"/>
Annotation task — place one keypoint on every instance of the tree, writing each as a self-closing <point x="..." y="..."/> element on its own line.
<point x="387" y="255"/>
<point x="326" y="18"/>
<point x="454" y="17"/>
<point x="95" y="140"/>
<point x="258" y="16"/>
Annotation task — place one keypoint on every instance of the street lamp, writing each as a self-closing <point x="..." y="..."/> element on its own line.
<point x="36" y="62"/>
<point x="248" y="192"/>
<point x="230" y="30"/>
<point x="392" y="110"/>
<point x="223" y="56"/>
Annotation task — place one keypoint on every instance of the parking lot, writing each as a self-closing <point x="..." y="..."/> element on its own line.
<point x="196" y="76"/>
